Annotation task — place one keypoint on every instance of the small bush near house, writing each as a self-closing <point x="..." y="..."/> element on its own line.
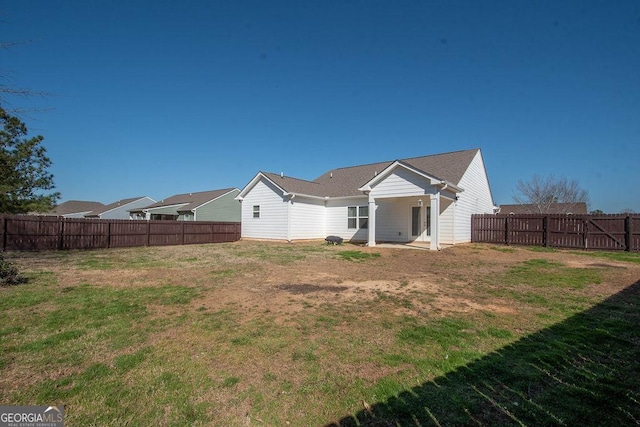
<point x="9" y="274"/>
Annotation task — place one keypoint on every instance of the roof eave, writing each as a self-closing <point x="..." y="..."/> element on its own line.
<point x="434" y="180"/>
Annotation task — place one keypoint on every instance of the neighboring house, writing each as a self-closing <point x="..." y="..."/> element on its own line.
<point x="554" y="208"/>
<point x="121" y="208"/>
<point x="75" y="208"/>
<point x="426" y="199"/>
<point x="215" y="205"/>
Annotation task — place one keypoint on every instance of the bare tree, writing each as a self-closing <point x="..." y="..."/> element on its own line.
<point x="550" y="194"/>
<point x="9" y="90"/>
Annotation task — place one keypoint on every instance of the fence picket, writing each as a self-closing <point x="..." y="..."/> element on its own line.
<point x="608" y="232"/>
<point x="26" y="232"/>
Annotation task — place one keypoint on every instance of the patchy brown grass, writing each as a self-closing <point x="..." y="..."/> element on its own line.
<point x="269" y="333"/>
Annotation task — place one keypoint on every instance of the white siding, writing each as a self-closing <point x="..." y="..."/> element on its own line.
<point x="336" y="218"/>
<point x="475" y="199"/>
<point x="272" y="223"/>
<point x="402" y="182"/>
<point x="447" y="210"/>
<point x="392" y="221"/>
<point x="307" y="219"/>
<point x="393" y="216"/>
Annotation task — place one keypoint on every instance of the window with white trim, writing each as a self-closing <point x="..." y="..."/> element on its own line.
<point x="256" y="211"/>
<point x="358" y="217"/>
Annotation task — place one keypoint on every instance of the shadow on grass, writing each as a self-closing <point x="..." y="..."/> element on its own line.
<point x="583" y="371"/>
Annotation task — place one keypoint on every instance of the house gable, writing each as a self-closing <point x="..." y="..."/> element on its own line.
<point x="401" y="180"/>
<point x="260" y="177"/>
<point x="270" y="220"/>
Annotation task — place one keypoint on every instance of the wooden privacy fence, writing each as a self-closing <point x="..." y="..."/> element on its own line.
<point x="33" y="233"/>
<point x="604" y="232"/>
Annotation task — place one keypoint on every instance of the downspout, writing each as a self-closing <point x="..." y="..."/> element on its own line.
<point x="453" y="223"/>
<point x="289" y="205"/>
<point x="446" y="184"/>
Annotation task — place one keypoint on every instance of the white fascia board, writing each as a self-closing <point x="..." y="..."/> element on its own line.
<point x="164" y="206"/>
<point x="382" y="175"/>
<point x="253" y="182"/>
<point x="451" y="186"/>
<point x="306" y="196"/>
<point x="358" y="196"/>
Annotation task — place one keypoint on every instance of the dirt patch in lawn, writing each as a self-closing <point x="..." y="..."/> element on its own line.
<point x="306" y="288"/>
<point x="287" y="278"/>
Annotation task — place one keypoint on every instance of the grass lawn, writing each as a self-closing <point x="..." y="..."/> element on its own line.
<point x="255" y="333"/>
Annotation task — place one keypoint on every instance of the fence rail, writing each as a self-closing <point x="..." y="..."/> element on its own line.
<point x="34" y="233"/>
<point x="603" y="232"/>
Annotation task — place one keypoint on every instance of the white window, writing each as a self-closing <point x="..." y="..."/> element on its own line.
<point x="358" y="217"/>
<point x="256" y="211"/>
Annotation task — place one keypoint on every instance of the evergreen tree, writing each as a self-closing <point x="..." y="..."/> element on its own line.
<point x="24" y="175"/>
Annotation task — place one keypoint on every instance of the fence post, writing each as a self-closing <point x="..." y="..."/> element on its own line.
<point x="148" y="231"/>
<point x="506" y="230"/>
<point x="586" y="233"/>
<point x="61" y="233"/>
<point x="182" y="233"/>
<point x="628" y="233"/>
<point x="545" y="231"/>
<point x="108" y="234"/>
<point x="4" y="233"/>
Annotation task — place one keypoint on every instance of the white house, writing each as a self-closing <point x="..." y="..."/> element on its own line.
<point x="427" y="199"/>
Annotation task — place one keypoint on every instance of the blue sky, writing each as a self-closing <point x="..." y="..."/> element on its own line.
<point x="157" y="97"/>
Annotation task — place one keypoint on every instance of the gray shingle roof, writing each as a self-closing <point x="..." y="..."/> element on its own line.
<point x="113" y="205"/>
<point x="190" y="200"/>
<point x="344" y="182"/>
<point x="75" y="207"/>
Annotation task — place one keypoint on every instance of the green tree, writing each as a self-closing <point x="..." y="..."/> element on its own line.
<point x="24" y="175"/>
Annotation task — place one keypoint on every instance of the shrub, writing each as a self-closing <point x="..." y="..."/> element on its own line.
<point x="9" y="274"/>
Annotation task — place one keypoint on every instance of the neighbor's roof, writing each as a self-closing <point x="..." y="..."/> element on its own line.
<point x="113" y="205"/>
<point x="344" y="182"/>
<point x="189" y="200"/>
<point x="555" y="208"/>
<point x="75" y="207"/>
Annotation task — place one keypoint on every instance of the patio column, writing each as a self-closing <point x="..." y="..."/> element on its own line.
<point x="372" y="221"/>
<point x="435" y="226"/>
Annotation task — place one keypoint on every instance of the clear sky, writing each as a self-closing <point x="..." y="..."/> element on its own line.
<point x="163" y="97"/>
